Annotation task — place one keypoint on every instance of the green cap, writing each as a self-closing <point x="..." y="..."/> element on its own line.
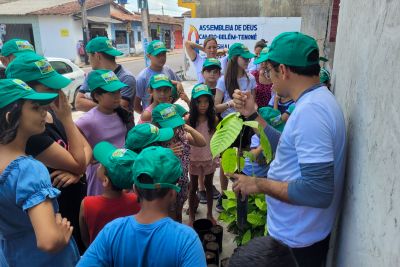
<point x="104" y="79"/>
<point x="212" y="62"/>
<point x="263" y="56"/>
<point x="272" y="117"/>
<point x="181" y="110"/>
<point x="32" y="67"/>
<point x="12" y="90"/>
<point x="293" y="49"/>
<point x="160" y="80"/>
<point x="102" y="44"/>
<point x="145" y="134"/>
<point x="167" y="116"/>
<point x="117" y="161"/>
<point x="161" y="165"/>
<point x="324" y="75"/>
<point x="238" y="49"/>
<point x="156" y="47"/>
<point x="201" y="89"/>
<point x="16" y="47"/>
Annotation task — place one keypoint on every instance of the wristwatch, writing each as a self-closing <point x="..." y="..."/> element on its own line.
<point x="252" y="116"/>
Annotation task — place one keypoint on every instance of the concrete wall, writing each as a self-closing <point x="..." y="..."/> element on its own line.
<point x="366" y="83"/>
<point x="53" y="43"/>
<point x="228" y="8"/>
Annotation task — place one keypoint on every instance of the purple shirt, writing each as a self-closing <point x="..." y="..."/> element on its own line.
<point x="97" y="127"/>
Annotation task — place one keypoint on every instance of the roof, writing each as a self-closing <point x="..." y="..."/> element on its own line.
<point x="163" y="19"/>
<point x="46" y="7"/>
<point x="125" y="17"/>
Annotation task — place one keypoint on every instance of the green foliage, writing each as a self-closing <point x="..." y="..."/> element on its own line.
<point x="229" y="160"/>
<point x="256" y="217"/>
<point x="266" y="146"/>
<point x="227" y="132"/>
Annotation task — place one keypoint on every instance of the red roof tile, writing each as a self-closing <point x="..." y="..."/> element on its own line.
<point x="70" y="8"/>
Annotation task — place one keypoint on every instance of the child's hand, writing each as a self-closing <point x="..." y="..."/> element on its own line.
<point x="177" y="149"/>
<point x="65" y="227"/>
<point x="61" y="107"/>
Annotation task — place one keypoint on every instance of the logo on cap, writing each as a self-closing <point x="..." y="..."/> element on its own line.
<point x="161" y="77"/>
<point x="109" y="77"/>
<point x="158" y="45"/>
<point x="22" y="84"/>
<point x="154" y="129"/>
<point x="213" y="60"/>
<point x="44" y="66"/>
<point x="24" y="45"/>
<point x="276" y="120"/>
<point x="109" y="44"/>
<point x="168" y="112"/>
<point x="119" y="153"/>
<point x="201" y="87"/>
<point x="264" y="50"/>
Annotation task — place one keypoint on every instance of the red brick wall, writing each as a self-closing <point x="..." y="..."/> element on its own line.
<point x="334" y="20"/>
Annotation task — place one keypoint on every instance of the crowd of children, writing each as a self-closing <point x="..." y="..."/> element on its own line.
<point x="103" y="185"/>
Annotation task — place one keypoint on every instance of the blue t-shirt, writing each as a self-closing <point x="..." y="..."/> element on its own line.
<point x="127" y="93"/>
<point x="314" y="133"/>
<point x="286" y="107"/>
<point x="254" y="168"/>
<point x="143" y="82"/>
<point x="25" y="183"/>
<point x="125" y="242"/>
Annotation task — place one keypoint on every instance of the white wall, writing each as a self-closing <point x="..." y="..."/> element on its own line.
<point x="366" y="83"/>
<point x="55" y="45"/>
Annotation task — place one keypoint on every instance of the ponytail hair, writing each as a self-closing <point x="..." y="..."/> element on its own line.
<point x="262" y="43"/>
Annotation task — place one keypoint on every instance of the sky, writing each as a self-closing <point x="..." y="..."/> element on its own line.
<point x="155" y="7"/>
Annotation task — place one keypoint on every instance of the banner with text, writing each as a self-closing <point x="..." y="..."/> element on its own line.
<point x="246" y="30"/>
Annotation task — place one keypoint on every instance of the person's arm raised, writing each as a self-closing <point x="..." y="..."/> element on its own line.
<point x="190" y="49"/>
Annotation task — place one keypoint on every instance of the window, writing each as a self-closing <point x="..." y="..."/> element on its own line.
<point x="61" y="67"/>
<point x="139" y="36"/>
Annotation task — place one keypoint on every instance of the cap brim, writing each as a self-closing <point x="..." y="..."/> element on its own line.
<point x="165" y="134"/>
<point x="103" y="151"/>
<point x="196" y="95"/>
<point x="174" y="122"/>
<point x="56" y="81"/>
<point x="158" y="51"/>
<point x="162" y="84"/>
<point x="42" y="98"/>
<point x="211" y="65"/>
<point x="261" y="59"/>
<point x="113" y="86"/>
<point x="113" y="52"/>
<point x="247" y="55"/>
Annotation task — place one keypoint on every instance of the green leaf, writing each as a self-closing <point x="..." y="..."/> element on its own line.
<point x="256" y="219"/>
<point x="226" y="217"/>
<point x="230" y="194"/>
<point x="252" y="124"/>
<point x="241" y="167"/>
<point x="249" y="155"/>
<point x="246" y="237"/>
<point x="228" y="204"/>
<point x="227" y="131"/>
<point x="261" y="205"/>
<point x="266" y="146"/>
<point x="229" y="160"/>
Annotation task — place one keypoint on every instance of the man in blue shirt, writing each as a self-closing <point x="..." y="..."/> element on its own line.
<point x="305" y="179"/>
<point x="149" y="238"/>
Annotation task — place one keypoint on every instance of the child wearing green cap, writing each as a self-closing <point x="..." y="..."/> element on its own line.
<point x="157" y="53"/>
<point x="149" y="238"/>
<point x="104" y="122"/>
<point x="236" y="77"/>
<point x="160" y="89"/>
<point x="202" y="118"/>
<point x="115" y="174"/>
<point x="33" y="232"/>
<point x="264" y="85"/>
<point x="61" y="147"/>
<point x="167" y="115"/>
<point x="211" y="71"/>
<point x="102" y="56"/>
<point x="13" y="48"/>
<point x="145" y="135"/>
<point x="325" y="77"/>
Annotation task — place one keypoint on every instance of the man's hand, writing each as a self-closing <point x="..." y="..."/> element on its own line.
<point x="244" y="102"/>
<point x="245" y="185"/>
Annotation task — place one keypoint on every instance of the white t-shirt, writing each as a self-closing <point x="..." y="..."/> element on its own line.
<point x="198" y="64"/>
<point x="245" y="84"/>
<point x="314" y="133"/>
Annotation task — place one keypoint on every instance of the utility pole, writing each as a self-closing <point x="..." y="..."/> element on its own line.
<point x="85" y="28"/>
<point x="144" y="7"/>
<point x="162" y="8"/>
